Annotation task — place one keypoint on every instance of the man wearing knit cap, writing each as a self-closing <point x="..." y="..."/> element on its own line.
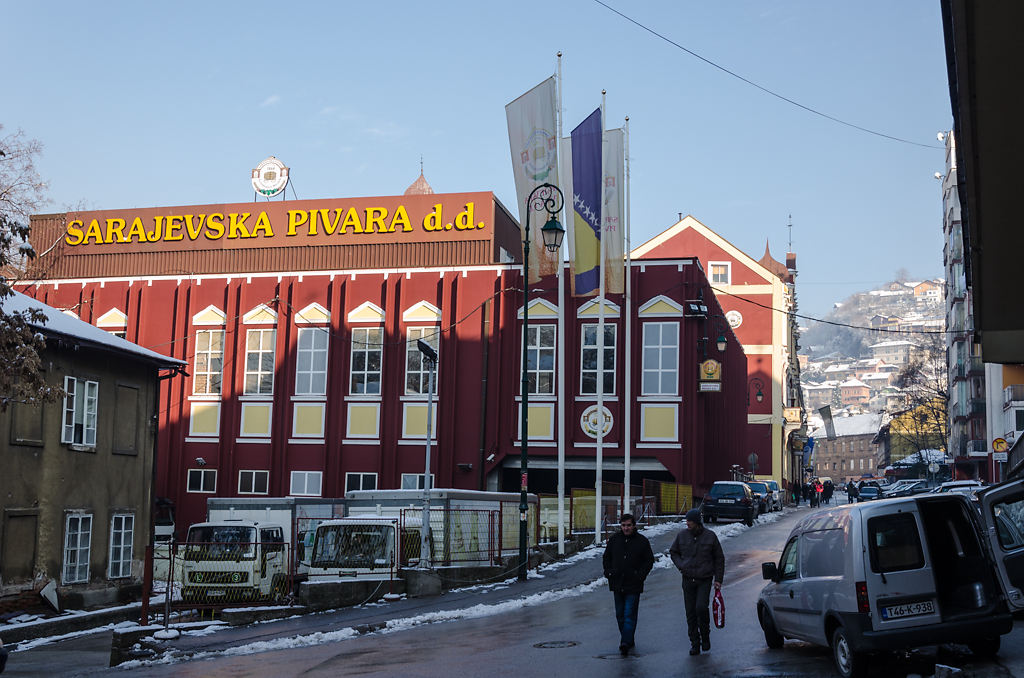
<point x="698" y="555"/>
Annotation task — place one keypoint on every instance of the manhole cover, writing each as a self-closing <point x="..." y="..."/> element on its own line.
<point x="556" y="644"/>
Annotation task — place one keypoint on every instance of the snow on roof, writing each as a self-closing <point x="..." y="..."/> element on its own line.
<point x="885" y="344"/>
<point x="854" y="425"/>
<point x="58" y="322"/>
<point x="852" y="382"/>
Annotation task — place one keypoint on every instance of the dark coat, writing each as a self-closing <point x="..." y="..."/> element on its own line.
<point x="698" y="555"/>
<point x="627" y="562"/>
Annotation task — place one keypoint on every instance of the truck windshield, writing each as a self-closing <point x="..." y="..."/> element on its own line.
<point x="362" y="546"/>
<point x="221" y="542"/>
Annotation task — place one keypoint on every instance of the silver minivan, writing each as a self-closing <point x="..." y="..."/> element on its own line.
<point x="899" y="573"/>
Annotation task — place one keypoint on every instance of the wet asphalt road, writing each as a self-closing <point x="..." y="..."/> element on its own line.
<point x="573" y="636"/>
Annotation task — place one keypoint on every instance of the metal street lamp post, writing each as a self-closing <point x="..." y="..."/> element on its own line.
<point x="430" y="357"/>
<point x="547" y="198"/>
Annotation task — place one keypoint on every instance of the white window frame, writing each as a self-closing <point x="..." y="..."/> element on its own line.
<point x="252" y="475"/>
<point x="119" y="564"/>
<point x="600" y="370"/>
<point x="728" y="272"/>
<point x="203" y="348"/>
<point x="645" y="368"/>
<point x="414" y="481"/>
<point x="306" y="478"/>
<point x="264" y="378"/>
<point x="311" y="381"/>
<point x="203" y="474"/>
<point x="412" y="355"/>
<point x="362" y="478"/>
<point x="81" y="405"/>
<point x="361" y="345"/>
<point x="534" y="348"/>
<point x="76" y="548"/>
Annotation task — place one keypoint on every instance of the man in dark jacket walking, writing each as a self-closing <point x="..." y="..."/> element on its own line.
<point x="628" y="560"/>
<point x="698" y="555"/>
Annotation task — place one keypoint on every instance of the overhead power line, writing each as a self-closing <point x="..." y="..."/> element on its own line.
<point x="762" y="87"/>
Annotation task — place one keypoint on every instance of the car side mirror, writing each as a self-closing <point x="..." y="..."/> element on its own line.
<point x="770" y="571"/>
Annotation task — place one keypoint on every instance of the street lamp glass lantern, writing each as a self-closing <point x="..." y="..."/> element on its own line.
<point x="759" y="395"/>
<point x="552" y="233"/>
<point x="721" y="342"/>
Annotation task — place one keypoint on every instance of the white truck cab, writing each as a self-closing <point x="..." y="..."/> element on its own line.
<point x="899" y="573"/>
<point x="234" y="561"/>
<point x="364" y="547"/>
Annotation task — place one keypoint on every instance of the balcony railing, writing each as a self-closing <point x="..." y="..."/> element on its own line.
<point x="1014" y="393"/>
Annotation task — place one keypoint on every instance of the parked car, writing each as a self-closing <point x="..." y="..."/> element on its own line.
<point x="769" y="500"/>
<point x="960" y="485"/>
<point x="773" y="485"/>
<point x="869" y="492"/>
<point x="900" y="485"/>
<point x="897" y="574"/>
<point x="729" y="499"/>
<point x="907" y="489"/>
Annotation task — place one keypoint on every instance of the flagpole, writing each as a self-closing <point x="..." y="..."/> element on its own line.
<point x="561" y="409"/>
<point x="599" y="462"/>
<point x="627" y="355"/>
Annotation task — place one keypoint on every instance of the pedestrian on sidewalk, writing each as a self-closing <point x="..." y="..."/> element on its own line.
<point x="628" y="560"/>
<point x="697" y="553"/>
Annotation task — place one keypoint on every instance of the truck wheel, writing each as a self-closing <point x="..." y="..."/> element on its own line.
<point x="984" y="647"/>
<point x="772" y="638"/>
<point x="849" y="664"/>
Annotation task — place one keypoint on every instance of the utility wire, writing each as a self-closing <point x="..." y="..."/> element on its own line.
<point x="832" y="322"/>
<point x="761" y="87"/>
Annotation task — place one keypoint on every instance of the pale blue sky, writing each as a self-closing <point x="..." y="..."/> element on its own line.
<point x="145" y="104"/>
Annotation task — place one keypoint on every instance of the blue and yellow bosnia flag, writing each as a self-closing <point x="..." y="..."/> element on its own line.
<point x="586" y="205"/>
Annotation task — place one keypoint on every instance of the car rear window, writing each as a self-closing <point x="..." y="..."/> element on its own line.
<point x="719" y="491"/>
<point x="894" y="543"/>
<point x="758" y="487"/>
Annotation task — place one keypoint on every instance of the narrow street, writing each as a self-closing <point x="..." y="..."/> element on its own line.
<point x="565" y="626"/>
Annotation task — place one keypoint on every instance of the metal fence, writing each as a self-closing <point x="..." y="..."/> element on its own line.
<point x="668" y="498"/>
<point x="466" y="536"/>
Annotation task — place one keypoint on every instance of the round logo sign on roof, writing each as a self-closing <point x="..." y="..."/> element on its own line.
<point x="735" y="319"/>
<point x="270" y="177"/>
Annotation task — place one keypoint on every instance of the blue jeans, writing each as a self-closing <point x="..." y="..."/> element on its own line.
<point x="627" y="606"/>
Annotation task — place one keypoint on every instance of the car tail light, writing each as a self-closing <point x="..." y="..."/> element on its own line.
<point x="862" y="597"/>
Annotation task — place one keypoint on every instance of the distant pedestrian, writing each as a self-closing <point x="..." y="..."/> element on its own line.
<point x="851" y="493"/>
<point x="628" y="560"/>
<point x="697" y="553"/>
<point x="819" y="490"/>
<point x="828" y="490"/>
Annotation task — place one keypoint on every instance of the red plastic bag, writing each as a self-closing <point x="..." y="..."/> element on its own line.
<point x="718" y="609"/>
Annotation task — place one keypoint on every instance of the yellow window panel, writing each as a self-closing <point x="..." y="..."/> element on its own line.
<point x="659" y="422"/>
<point x="256" y="419"/>
<point x="362" y="420"/>
<point x="205" y="419"/>
<point x="309" y="420"/>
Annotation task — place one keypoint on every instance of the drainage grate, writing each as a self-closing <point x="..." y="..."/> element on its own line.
<point x="556" y="644"/>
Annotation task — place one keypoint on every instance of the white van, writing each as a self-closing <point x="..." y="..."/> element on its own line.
<point x="899" y="573"/>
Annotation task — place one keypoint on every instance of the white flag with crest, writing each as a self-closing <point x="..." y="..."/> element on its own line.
<point x="534" y="144"/>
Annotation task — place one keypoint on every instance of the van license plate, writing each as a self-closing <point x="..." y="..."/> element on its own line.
<point x="908" y="610"/>
<point x="726" y="501"/>
<point x="216" y="592"/>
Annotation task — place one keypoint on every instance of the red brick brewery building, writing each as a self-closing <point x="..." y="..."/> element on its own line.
<point x="299" y="321"/>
